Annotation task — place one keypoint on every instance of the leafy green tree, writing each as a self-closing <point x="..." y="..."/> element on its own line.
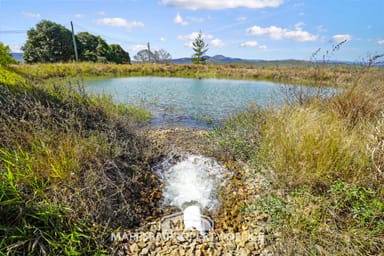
<point x="102" y="50"/>
<point x="95" y="49"/>
<point x="5" y="55"/>
<point x="118" y="55"/>
<point x="87" y="44"/>
<point x="48" y="42"/>
<point x="200" y="47"/>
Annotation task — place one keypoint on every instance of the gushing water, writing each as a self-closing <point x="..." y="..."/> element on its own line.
<point x="192" y="180"/>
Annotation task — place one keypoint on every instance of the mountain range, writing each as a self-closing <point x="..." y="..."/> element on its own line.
<point x="214" y="59"/>
<point x="218" y="59"/>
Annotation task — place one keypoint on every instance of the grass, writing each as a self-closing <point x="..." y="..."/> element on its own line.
<point x="325" y="160"/>
<point x="72" y="168"/>
<point x="327" y="75"/>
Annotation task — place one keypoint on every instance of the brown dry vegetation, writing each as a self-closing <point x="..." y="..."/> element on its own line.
<point x="75" y="167"/>
<point x="324" y="159"/>
<point x="325" y="75"/>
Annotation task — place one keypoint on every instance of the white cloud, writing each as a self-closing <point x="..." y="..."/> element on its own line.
<point x="79" y="16"/>
<point x="263" y="47"/>
<point x="15" y="48"/>
<point x="299" y="25"/>
<point x="188" y="44"/>
<point x="216" y="43"/>
<point x="162" y="39"/>
<point x="210" y="39"/>
<point x="179" y="20"/>
<point x="138" y="47"/>
<point x="120" y="22"/>
<point x="277" y="33"/>
<point x="194" y="35"/>
<point x="101" y="13"/>
<point x="220" y="4"/>
<point x="381" y="42"/>
<point x="321" y="29"/>
<point x="31" y="15"/>
<point x="249" y="44"/>
<point x="337" y="39"/>
<point x="241" y="19"/>
<point x="195" y="19"/>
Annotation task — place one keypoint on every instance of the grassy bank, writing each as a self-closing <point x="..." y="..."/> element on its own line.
<point x="325" y="161"/>
<point x="326" y="75"/>
<point x="72" y="168"/>
<point x="75" y="167"/>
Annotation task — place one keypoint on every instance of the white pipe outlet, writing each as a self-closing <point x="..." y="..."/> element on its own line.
<point x="192" y="218"/>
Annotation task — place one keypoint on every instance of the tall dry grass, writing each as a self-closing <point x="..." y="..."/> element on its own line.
<point x="324" y="158"/>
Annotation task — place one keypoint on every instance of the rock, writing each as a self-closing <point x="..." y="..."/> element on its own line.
<point x="141" y="244"/>
<point x="244" y="252"/>
<point x="237" y="216"/>
<point x="144" y="251"/>
<point x="134" y="248"/>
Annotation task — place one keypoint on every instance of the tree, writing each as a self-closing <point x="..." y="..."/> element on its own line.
<point x="102" y="50"/>
<point x="162" y="56"/>
<point x="145" y="56"/>
<point x="118" y="55"/>
<point x="87" y="44"/>
<point x="5" y="55"/>
<point x="159" y="56"/>
<point x="48" y="42"/>
<point x="200" y="48"/>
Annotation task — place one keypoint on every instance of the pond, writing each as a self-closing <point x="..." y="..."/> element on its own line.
<point x="188" y="102"/>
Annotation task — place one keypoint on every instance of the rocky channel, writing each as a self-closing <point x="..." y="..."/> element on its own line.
<point x="238" y="228"/>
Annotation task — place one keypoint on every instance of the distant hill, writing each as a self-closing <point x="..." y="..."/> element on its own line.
<point x="215" y="59"/>
<point x="18" y="56"/>
<point x="223" y="59"/>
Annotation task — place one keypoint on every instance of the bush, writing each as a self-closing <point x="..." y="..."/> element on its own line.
<point x="5" y="55"/>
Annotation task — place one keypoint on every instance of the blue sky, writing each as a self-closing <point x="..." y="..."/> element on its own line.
<point x="252" y="29"/>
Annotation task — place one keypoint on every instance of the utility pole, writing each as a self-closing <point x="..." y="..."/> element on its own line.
<point x="74" y="43"/>
<point x="149" y="52"/>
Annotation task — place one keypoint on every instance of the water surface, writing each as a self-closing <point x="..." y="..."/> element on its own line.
<point x="187" y="102"/>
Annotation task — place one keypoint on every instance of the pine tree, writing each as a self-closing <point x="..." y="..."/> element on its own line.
<point x="200" y="47"/>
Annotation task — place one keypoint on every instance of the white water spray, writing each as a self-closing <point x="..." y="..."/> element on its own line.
<point x="192" y="184"/>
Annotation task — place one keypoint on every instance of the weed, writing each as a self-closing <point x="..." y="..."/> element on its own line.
<point x="239" y="137"/>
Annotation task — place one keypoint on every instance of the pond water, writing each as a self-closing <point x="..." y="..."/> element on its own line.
<point x="188" y="102"/>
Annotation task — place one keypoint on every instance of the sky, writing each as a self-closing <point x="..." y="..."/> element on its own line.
<point x="249" y="29"/>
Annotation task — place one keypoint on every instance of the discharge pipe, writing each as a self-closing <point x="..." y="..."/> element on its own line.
<point x="192" y="216"/>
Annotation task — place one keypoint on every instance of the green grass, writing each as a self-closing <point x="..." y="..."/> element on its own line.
<point x="10" y="77"/>
<point x="73" y="167"/>
<point x="325" y="162"/>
